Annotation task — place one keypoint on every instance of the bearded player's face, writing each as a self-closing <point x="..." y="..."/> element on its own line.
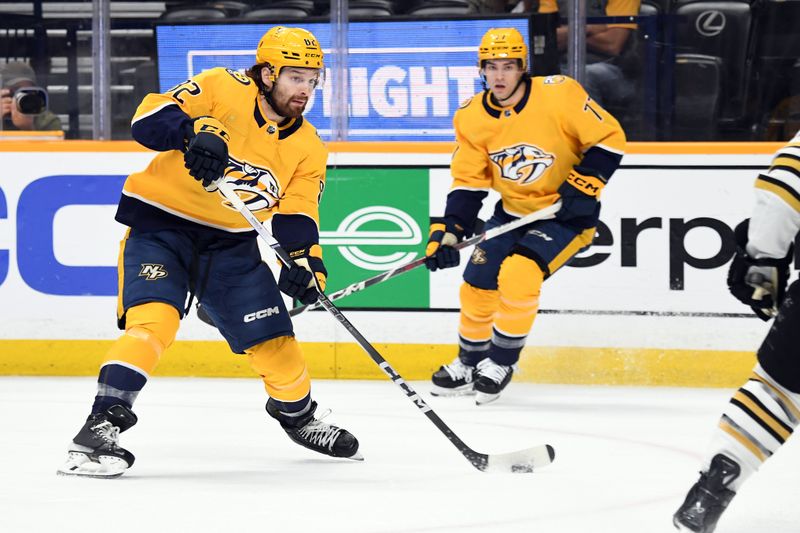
<point x="293" y="89"/>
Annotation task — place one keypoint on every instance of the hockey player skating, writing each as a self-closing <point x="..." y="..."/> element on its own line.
<point x="765" y="410"/>
<point x="533" y="140"/>
<point x="185" y="238"/>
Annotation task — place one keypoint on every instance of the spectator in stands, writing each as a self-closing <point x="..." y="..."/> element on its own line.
<point x="15" y="76"/>
<point x="611" y="62"/>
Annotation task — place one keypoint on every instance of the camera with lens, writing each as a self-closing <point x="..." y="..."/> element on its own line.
<point x="30" y="100"/>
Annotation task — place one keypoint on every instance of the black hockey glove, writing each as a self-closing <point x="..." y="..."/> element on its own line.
<point x="297" y="281"/>
<point x="580" y="193"/>
<point x="206" y="154"/>
<point x="759" y="283"/>
<point x="444" y="234"/>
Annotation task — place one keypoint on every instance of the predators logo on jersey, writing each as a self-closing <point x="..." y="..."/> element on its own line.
<point x="257" y="187"/>
<point x="554" y="80"/>
<point x="523" y="163"/>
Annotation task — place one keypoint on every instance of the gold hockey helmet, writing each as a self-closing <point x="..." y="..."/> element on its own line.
<point x="503" y="43"/>
<point x="289" y="47"/>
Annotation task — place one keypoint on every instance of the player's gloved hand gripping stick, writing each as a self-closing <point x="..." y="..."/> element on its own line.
<point x="522" y="461"/>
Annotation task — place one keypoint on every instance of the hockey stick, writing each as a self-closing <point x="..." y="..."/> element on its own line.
<point x="522" y="461"/>
<point x="389" y="274"/>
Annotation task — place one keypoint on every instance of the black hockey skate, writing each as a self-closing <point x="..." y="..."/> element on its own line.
<point x="95" y="450"/>
<point x="312" y="433"/>
<point x="455" y="379"/>
<point x="490" y="380"/>
<point x="708" y="498"/>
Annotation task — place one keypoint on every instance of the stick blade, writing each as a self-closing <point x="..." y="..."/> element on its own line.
<point x="519" y="462"/>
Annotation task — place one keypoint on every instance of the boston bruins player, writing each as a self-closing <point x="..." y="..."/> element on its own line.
<point x="185" y="238"/>
<point x="535" y="141"/>
<point x="765" y="410"/>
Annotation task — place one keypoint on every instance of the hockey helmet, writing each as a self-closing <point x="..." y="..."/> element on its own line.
<point x="289" y="47"/>
<point x="503" y="43"/>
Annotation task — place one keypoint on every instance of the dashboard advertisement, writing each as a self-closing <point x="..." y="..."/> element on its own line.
<point x="662" y="249"/>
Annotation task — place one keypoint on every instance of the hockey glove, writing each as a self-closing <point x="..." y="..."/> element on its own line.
<point x="759" y="283"/>
<point x="440" y="252"/>
<point x="580" y="193"/>
<point x="297" y="281"/>
<point x="206" y="154"/>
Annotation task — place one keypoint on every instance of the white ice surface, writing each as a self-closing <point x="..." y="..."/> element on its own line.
<point x="209" y="459"/>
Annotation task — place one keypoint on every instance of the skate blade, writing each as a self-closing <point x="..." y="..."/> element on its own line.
<point x="81" y="465"/>
<point x="356" y="457"/>
<point x="465" y="390"/>
<point x="87" y="474"/>
<point x="482" y="398"/>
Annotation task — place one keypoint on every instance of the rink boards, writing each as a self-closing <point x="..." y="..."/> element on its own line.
<point x="647" y="304"/>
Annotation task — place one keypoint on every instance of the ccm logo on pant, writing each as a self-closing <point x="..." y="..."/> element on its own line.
<point x="264" y="313"/>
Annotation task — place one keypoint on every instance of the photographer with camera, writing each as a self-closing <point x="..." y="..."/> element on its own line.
<point x="23" y="105"/>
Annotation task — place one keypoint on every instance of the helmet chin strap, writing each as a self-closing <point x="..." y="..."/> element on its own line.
<point x="268" y="97"/>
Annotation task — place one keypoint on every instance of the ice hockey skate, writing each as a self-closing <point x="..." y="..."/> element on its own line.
<point x="455" y="379"/>
<point x="312" y="433"/>
<point x="95" y="450"/>
<point x="490" y="380"/>
<point x="708" y="498"/>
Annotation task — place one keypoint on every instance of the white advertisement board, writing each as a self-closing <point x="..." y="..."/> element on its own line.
<point x="654" y="277"/>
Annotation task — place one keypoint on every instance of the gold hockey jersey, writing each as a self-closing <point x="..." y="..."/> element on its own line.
<point x="525" y="152"/>
<point x="273" y="167"/>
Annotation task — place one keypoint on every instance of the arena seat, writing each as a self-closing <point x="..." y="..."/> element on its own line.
<point x="696" y="110"/>
<point x="430" y="8"/>
<point x="718" y="29"/>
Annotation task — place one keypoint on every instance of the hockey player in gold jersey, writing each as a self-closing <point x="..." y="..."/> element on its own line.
<point x="185" y="239"/>
<point x="765" y="411"/>
<point x="535" y="141"/>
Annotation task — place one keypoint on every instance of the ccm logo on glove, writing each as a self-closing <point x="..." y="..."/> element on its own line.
<point x="589" y="185"/>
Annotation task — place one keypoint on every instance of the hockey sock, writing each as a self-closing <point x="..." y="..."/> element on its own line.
<point x="519" y="284"/>
<point x="478" y="307"/>
<point x="294" y="409"/>
<point x="281" y="365"/>
<point x="118" y="383"/>
<point x="150" y="329"/>
<point x="760" y="417"/>
<point x="471" y="352"/>
<point x="505" y="348"/>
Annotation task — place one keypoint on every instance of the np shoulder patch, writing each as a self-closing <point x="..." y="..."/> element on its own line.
<point x="238" y="76"/>
<point x="554" y="80"/>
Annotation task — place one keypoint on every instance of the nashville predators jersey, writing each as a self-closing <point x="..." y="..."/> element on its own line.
<point x="275" y="168"/>
<point x="776" y="215"/>
<point x="526" y="151"/>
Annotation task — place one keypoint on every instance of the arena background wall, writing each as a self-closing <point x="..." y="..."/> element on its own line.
<point x="646" y="305"/>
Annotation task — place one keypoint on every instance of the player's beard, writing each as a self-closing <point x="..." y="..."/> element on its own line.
<point x="282" y="103"/>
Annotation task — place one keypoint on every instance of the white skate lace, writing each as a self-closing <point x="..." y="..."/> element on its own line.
<point x="320" y="433"/>
<point x="458" y="370"/>
<point x="108" y="432"/>
<point x="492" y="370"/>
